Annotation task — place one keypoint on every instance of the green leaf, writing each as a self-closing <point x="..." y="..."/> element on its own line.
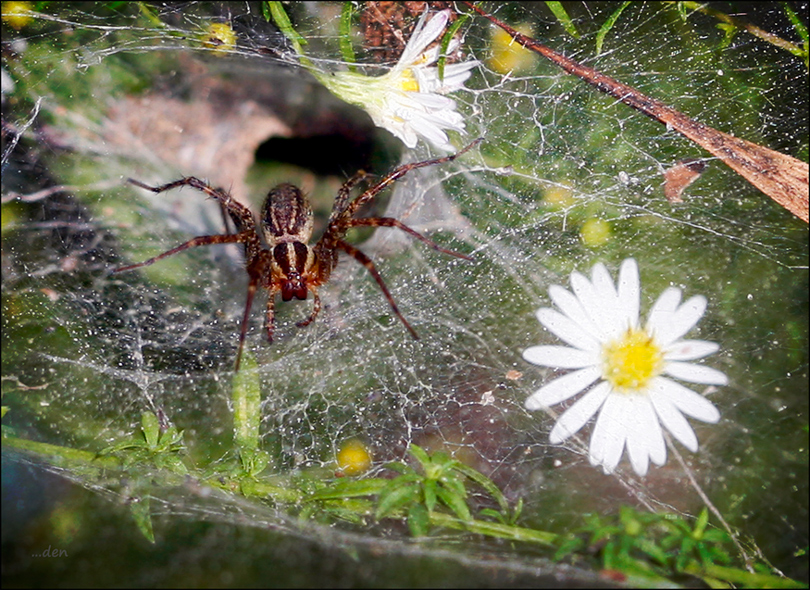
<point x="494" y="514"/>
<point x="420" y="455"/>
<point x="700" y="525"/>
<point x="151" y="429"/>
<point x="429" y="488"/>
<point x="454" y="484"/>
<point x="350" y="488"/>
<point x="486" y="483"/>
<point x="139" y="508"/>
<point x="254" y="461"/>
<point x="282" y="21"/>
<point x="495" y="529"/>
<point x="394" y="497"/>
<point x="747" y="579"/>
<point x="517" y="512"/>
<point x="729" y="32"/>
<point x="171" y="437"/>
<point x="605" y="28"/>
<point x="800" y="27"/>
<point x="172" y="463"/>
<point x="399" y="467"/>
<point x="448" y="37"/>
<point x="454" y="502"/>
<point x="418" y="520"/>
<point x="651" y="549"/>
<point x="559" y="11"/>
<point x="345" y="35"/>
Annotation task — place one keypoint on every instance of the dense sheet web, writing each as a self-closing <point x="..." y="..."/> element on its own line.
<point x="565" y="177"/>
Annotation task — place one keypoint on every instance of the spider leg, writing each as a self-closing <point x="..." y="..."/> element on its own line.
<point x="345" y="192"/>
<point x="391" y="222"/>
<point x="198" y="241"/>
<point x="366" y="261"/>
<point x="398" y="173"/>
<point x="239" y="211"/>
<point x="316" y="309"/>
<point x="270" y="315"/>
<point x="252" y="286"/>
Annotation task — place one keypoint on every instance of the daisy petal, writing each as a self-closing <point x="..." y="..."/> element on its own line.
<point x="673" y="420"/>
<point x="689" y="350"/>
<point x="562" y="388"/>
<point x="430" y="132"/>
<point x="687" y="401"/>
<point x="608" y="438"/>
<point x="566" y="330"/>
<point x="603" y="282"/>
<point x="645" y="440"/>
<point x="455" y="75"/>
<point x="577" y="415"/>
<point x="680" y="322"/>
<point x="570" y="306"/>
<point x="592" y="302"/>
<point x="432" y="102"/>
<point x="562" y="357"/>
<point x="423" y="35"/>
<point x="660" y="315"/>
<point x="696" y="373"/>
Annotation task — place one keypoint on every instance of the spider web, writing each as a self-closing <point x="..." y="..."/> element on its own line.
<point x="104" y="92"/>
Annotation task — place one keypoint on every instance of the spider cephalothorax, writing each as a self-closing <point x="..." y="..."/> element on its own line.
<point x="288" y="265"/>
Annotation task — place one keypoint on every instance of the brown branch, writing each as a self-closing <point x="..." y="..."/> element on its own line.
<point x="781" y="177"/>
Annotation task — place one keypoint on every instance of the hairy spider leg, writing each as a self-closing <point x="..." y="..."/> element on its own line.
<point x="198" y="241"/>
<point x="256" y="262"/>
<point x="392" y="222"/>
<point x="398" y="173"/>
<point x="252" y="245"/>
<point x="253" y="285"/>
<point x="257" y="270"/>
<point x="316" y="309"/>
<point x="236" y="208"/>
<point x="345" y="192"/>
<point x="342" y="219"/>
<point x="366" y="261"/>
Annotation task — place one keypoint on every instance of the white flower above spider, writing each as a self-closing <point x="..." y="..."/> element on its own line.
<point x="409" y="100"/>
<point x="629" y="364"/>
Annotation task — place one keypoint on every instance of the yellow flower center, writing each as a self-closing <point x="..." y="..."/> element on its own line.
<point x="408" y="82"/>
<point x="631" y="361"/>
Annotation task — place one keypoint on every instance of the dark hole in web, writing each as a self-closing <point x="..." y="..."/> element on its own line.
<point x="340" y="153"/>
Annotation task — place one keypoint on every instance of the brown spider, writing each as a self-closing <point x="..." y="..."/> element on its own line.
<point x="289" y="265"/>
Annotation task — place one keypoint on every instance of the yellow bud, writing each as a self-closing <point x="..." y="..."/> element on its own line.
<point x="559" y="196"/>
<point x="15" y="14"/>
<point x="353" y="457"/>
<point x="595" y="232"/>
<point x="220" y="37"/>
<point x="507" y="54"/>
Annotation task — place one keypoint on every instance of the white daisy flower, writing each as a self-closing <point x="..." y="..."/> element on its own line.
<point x="409" y="99"/>
<point x="630" y="365"/>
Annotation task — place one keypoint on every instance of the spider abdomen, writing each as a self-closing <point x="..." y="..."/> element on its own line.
<point x="286" y="216"/>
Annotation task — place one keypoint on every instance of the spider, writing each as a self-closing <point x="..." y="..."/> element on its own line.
<point x="288" y="264"/>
